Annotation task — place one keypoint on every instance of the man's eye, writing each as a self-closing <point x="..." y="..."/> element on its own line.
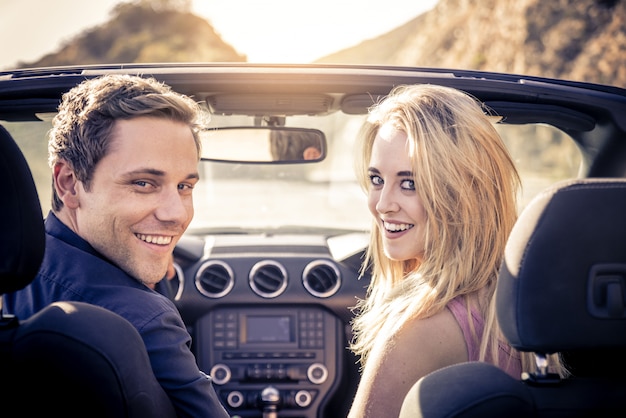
<point x="144" y="185"/>
<point x="185" y="186"/>
<point x="408" y="185"/>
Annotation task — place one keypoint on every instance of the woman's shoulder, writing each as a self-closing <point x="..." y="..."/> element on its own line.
<point x="472" y="330"/>
<point x="436" y="341"/>
<point x="396" y="361"/>
<point x="459" y="309"/>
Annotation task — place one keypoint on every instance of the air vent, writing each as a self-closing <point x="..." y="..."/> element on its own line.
<point x="177" y="284"/>
<point x="321" y="278"/>
<point x="215" y="279"/>
<point x="268" y="278"/>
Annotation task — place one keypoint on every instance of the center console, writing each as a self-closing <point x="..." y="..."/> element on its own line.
<point x="294" y="352"/>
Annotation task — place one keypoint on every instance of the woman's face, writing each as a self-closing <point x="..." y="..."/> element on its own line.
<point x="392" y="197"/>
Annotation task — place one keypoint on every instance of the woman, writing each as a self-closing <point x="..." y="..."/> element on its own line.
<point x="442" y="191"/>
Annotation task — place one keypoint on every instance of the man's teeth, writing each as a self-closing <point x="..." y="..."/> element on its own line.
<point x="397" y="227"/>
<point x="154" y="239"/>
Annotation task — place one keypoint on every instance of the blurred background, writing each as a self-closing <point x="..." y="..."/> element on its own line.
<point x="583" y="40"/>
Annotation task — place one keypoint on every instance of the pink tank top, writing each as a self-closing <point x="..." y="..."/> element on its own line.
<point x="508" y="360"/>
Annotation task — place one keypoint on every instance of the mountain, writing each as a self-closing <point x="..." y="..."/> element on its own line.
<point x="140" y="32"/>
<point x="583" y="40"/>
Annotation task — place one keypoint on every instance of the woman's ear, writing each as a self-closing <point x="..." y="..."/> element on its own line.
<point x="65" y="184"/>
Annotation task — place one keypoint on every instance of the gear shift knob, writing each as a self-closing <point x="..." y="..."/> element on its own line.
<point x="270" y="399"/>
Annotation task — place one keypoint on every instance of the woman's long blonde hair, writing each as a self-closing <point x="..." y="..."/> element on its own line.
<point x="468" y="184"/>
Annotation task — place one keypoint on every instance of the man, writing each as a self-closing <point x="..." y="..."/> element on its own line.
<point x="124" y="156"/>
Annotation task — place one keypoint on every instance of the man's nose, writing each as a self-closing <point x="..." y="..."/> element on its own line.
<point x="173" y="207"/>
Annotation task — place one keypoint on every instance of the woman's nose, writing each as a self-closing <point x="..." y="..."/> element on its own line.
<point x="387" y="201"/>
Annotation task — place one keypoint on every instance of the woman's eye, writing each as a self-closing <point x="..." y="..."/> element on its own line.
<point x="375" y="180"/>
<point x="408" y="185"/>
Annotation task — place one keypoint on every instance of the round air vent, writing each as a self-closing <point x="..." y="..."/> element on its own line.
<point x="177" y="284"/>
<point x="268" y="278"/>
<point x="215" y="279"/>
<point x="321" y="278"/>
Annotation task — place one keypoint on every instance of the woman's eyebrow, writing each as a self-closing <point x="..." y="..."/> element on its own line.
<point x="405" y="173"/>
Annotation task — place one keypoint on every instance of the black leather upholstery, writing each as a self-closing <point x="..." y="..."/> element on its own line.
<point x="562" y="288"/>
<point x="563" y="281"/>
<point x="69" y="359"/>
<point x="22" y="239"/>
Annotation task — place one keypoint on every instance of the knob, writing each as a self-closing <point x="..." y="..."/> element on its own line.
<point x="303" y="398"/>
<point x="220" y="374"/>
<point x="235" y="399"/>
<point x="317" y="373"/>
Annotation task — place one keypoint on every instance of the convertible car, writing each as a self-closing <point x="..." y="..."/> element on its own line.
<point x="271" y="266"/>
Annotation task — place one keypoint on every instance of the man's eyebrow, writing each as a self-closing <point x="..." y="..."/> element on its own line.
<point x="140" y="171"/>
<point x="158" y="173"/>
<point x="193" y="176"/>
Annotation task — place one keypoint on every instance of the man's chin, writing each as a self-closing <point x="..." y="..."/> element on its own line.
<point x="149" y="277"/>
<point x="152" y="285"/>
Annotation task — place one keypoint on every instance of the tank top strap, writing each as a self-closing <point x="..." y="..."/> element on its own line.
<point x="472" y="333"/>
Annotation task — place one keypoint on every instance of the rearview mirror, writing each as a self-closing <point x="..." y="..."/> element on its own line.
<point x="263" y="145"/>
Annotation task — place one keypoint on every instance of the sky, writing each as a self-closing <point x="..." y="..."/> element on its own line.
<point x="267" y="31"/>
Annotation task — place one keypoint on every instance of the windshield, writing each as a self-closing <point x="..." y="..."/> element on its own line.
<point x="294" y="197"/>
<point x="320" y="196"/>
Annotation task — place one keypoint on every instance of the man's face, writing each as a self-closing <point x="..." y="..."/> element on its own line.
<point x="140" y="199"/>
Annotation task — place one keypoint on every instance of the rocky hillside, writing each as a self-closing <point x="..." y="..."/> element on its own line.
<point x="582" y="40"/>
<point x="141" y="32"/>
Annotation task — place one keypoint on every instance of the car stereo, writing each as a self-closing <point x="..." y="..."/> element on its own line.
<point x="293" y="351"/>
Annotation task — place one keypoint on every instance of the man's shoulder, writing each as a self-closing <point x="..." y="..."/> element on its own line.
<point x="84" y="276"/>
<point x="67" y="263"/>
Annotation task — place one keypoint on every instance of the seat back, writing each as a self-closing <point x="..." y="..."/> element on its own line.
<point x="562" y="288"/>
<point x="22" y="239"/>
<point x="70" y="359"/>
<point x="563" y="282"/>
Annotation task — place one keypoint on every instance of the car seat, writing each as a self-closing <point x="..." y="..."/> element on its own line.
<point x="70" y="359"/>
<point x="562" y="288"/>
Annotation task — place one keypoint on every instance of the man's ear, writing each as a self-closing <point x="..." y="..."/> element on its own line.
<point x="311" y="153"/>
<point x="65" y="184"/>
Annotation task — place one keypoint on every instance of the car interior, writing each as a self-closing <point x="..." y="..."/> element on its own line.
<point x="271" y="266"/>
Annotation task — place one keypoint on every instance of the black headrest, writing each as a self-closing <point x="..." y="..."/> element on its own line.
<point x="22" y="239"/>
<point x="562" y="285"/>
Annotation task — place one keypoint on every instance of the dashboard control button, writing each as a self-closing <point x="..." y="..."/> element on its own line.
<point x="317" y="373"/>
<point x="235" y="399"/>
<point x="303" y="398"/>
<point x="221" y="374"/>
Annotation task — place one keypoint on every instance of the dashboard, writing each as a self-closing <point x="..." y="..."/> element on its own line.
<point x="270" y="315"/>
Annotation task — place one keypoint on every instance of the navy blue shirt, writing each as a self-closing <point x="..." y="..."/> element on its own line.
<point x="72" y="270"/>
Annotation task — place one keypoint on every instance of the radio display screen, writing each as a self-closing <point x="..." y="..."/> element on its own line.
<point x="269" y="329"/>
